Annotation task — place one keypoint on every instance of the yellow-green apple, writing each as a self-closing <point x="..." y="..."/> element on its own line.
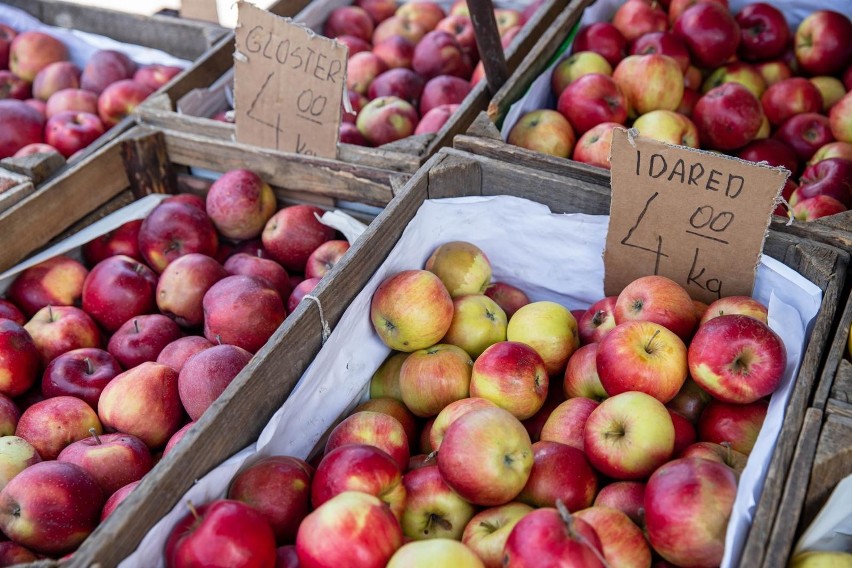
<point x="183" y="284"/>
<point x="577" y="65"/>
<point x="82" y="373"/>
<point x="240" y="203"/>
<point x="773" y="71"/>
<point x="263" y="268"/>
<point x="113" y="460"/>
<point x="386" y="119"/>
<point x="596" y="322"/>
<point x="722" y="453"/>
<point x="350" y="525"/>
<point x="831" y="89"/>
<point x="435" y="552"/>
<point x="687" y="103"/>
<point x="411" y="310"/>
<point x="649" y="82"/>
<point x="450" y="414"/>
<point x="684" y="432"/>
<point x="591" y="100"/>
<point x="207" y="374"/>
<point x="659" y="300"/>
<point x="76" y="100"/>
<point x="427" y="14"/>
<point x="423" y="442"/>
<point x="53" y="424"/>
<point x="119" y="99"/>
<point x="155" y="75"/>
<point x="737" y="72"/>
<point x="822" y="42"/>
<point x="625" y="496"/>
<point x="461" y="28"/>
<point x="736" y="424"/>
<point x="279" y="488"/>
<point x="668" y="126"/>
<point x="840" y="117"/>
<point x="727" y="117"/>
<point x="435" y="119"/>
<point x="61" y="329"/>
<point x="439" y="53"/>
<point x="385" y="381"/>
<point x="636" y="18"/>
<point x="486" y="456"/>
<point x="32" y="51"/>
<point x="375" y="429"/>
<point x="123" y="240"/>
<point x="363" y="468"/>
<point x="816" y="207"/>
<point x="104" y="68"/>
<point x="379" y="10"/>
<point x="710" y="33"/>
<point x="349" y="20"/>
<point x="50" y="507"/>
<point x="116" y="498"/>
<point x="28" y="126"/>
<point x="832" y="150"/>
<point x="486" y="533"/>
<point x="581" y="375"/>
<point x="690" y="401"/>
<point x="687" y="506"/>
<point x="323" y="259"/>
<point x="821" y="559"/>
<point x="743" y="305"/>
<point x="178" y="352"/>
<point x="603" y="38"/>
<point x="831" y="177"/>
<point x="772" y="151"/>
<point x="693" y="78"/>
<point x="20" y="360"/>
<point x="513" y="376"/>
<point x="764" y="33"/>
<point x="242" y="311"/>
<point x="628" y="436"/>
<point x="410" y="30"/>
<point x="141" y="339"/>
<point x="478" y="323"/>
<point x="553" y="537"/>
<point x="535" y="423"/>
<point x="175" y="229"/>
<point x="567" y="422"/>
<point x="432" y="509"/>
<point x="461" y="266"/>
<point x="292" y="234"/>
<point x="144" y="402"/>
<point x="737" y="359"/>
<point x="16" y="455"/>
<point x="301" y="290"/>
<point x="622" y="541"/>
<point x="663" y="43"/>
<point x="395" y="408"/>
<point x="225" y="532"/>
<point x="177" y="437"/>
<point x="55" y="282"/>
<point x="593" y="147"/>
<point x="546" y="131"/>
<point x="808" y="132"/>
<point x="790" y="97"/>
<point x="509" y="298"/>
<point x="443" y="90"/>
<point x="9" y="415"/>
<point x="559" y="472"/>
<point x="397" y="82"/>
<point x="550" y="329"/>
<point x="642" y="356"/>
<point x="10" y="311"/>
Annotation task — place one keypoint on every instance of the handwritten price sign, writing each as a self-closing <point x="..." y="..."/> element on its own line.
<point x="696" y="217"/>
<point x="288" y="86"/>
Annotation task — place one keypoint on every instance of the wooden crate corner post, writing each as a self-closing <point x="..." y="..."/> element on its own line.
<point x="147" y="164"/>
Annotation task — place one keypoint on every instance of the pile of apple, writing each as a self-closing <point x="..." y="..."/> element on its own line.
<point x="689" y="72"/>
<point x="139" y="345"/>
<point x="47" y="104"/>
<point x="502" y="432"/>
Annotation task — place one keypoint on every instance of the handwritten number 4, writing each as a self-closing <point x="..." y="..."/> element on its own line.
<point x="658" y="251"/>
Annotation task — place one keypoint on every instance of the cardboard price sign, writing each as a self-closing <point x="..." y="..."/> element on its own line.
<point x="288" y="85"/>
<point x="696" y="217"/>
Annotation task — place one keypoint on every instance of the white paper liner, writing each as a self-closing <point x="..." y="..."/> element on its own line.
<point x="832" y="527"/>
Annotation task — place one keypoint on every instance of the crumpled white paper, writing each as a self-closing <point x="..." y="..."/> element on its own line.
<point x="832" y="527"/>
<point x="551" y="257"/>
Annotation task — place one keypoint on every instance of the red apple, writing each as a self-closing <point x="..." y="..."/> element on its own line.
<point x="438" y="53"/>
<point x="567" y="422"/>
<point x="13" y="87"/>
<point x="822" y="42"/>
<point x="581" y="376"/>
<point x="597" y="321"/>
<point x="508" y="297"/>
<point x="552" y="537"/>
<point x="649" y="82"/>
<point x="806" y="133"/>
<point x="142" y="338"/>
<point x="742" y="305"/>
<point x="591" y="100"/>
<point x="663" y="43"/>
<point x="559" y="472"/>
<point x="82" y="373"/>
<point x="622" y="541"/>
<point x="240" y="203"/>
<point x="113" y="460"/>
<point x="55" y="77"/>
<point x="396" y="51"/>
<point x="432" y="510"/>
<point x="53" y="424"/>
<point x="349" y="20"/>
<point x="443" y="90"/>
<point x="710" y="32"/>
<point x="840" y="117"/>
<point x="10" y="311"/>
<point x="119" y="99"/>
<point x="69" y="132"/>
<point x="435" y="119"/>
<point x="545" y="131"/>
<point x="636" y="18"/>
<point x="177" y="437"/>
<point x="173" y="230"/>
<point x="513" y="376"/>
<point x="116" y="498"/>
<point x="727" y="117"/>
<point x="362" y="69"/>
<point x="58" y="281"/>
<point x="593" y="147"/>
<point x="123" y="240"/>
<point x="20" y="360"/>
<point x="242" y="311"/>
<point x="32" y="51"/>
<point x="831" y="176"/>
<point x="379" y="10"/>
<point x="410" y="30"/>
<point x="38" y="148"/>
<point x="602" y="38"/>
<point x="396" y="409"/>
<point x="155" y="75"/>
<point x="178" y="352"/>
<point x="61" y="329"/>
<point x="486" y="533"/>
<point x="272" y="273"/>
<point x="450" y="414"/>
<point x="104" y="68"/>
<point x="401" y="83"/>
<point x="117" y="289"/>
<point x="736" y="424"/>
<point x="183" y="284"/>
<point x="790" y="97"/>
<point x="427" y="14"/>
<point x="375" y="429"/>
<point x="292" y="234"/>
<point x="625" y="496"/>
<point x="207" y="374"/>
<point x="354" y="44"/>
<point x="816" y="208"/>
<point x="722" y="453"/>
<point x="461" y="28"/>
<point x="301" y="290"/>
<point x="24" y="126"/>
<point x="763" y="32"/>
<point x="772" y="151"/>
<point x="76" y="100"/>
<point x="684" y="432"/>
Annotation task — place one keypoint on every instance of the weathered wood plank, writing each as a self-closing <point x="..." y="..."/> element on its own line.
<point x="833" y="462"/>
<point x="842" y="388"/>
<point x="832" y="372"/>
<point x="147" y="164"/>
<point x="488" y="43"/>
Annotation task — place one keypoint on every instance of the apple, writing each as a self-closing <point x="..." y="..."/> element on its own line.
<point x="240" y="203"/>
<point x="591" y="100"/>
<point x="411" y="310"/>
<point x="385" y="381"/>
<point x="772" y="151"/>
<point x="25" y="126"/>
<point x="362" y="69"/>
<point x="593" y="147"/>
<point x="293" y="233"/>
<point x="831" y="89"/>
<point x="223" y="532"/>
<point x="432" y="509"/>
<point x="602" y="38"/>
<point x="324" y="257"/>
<point x="9" y="416"/>
<point x="807" y="132"/>
<point x="668" y="126"/>
<point x="478" y="322"/>
<point x="432" y="378"/>
<point x="349" y="20"/>
<point x="513" y="376"/>
<point x="550" y="329"/>
<point x="790" y="97"/>
<point x="684" y="432"/>
<point x="581" y="375"/>
<point x="831" y="176"/>
<point x="178" y="352"/>
<point x="61" y="329"/>
<point x="38" y="148"/>
<point x="55" y="77"/>
<point x="177" y="437"/>
<point x="116" y="499"/>
<point x="82" y="373"/>
<point x="71" y="100"/>
<point x="398" y="82"/>
<point x="119" y="99"/>
<point x="567" y="422"/>
<point x="53" y="424"/>
<point x="104" y="68"/>
<point x="375" y="429"/>
<point x="840" y="117"/>
<point x="353" y="44"/>
<point x="728" y="116"/>
<point x="50" y="507"/>
<point x="435" y="119"/>
<point x="742" y="305"/>
<point x="207" y="374"/>
<point x="58" y="281"/>
<point x="279" y="488"/>
<point x="763" y="32"/>
<point x="427" y="14"/>
<point x="687" y="506"/>
<point x="486" y="533"/>
<point x="822" y="43"/>
<point x="625" y="496"/>
<point x="13" y="87"/>
<point x="546" y="131"/>
<point x="553" y="537"/>
<point x="736" y="424"/>
<point x="7" y="34"/>
<point x="10" y="311"/>
<point x="16" y="455"/>
<point x="693" y="78"/>
<point x="410" y="30"/>
<point x="461" y="28"/>
<point x="628" y="436"/>
<point x="690" y="401"/>
<point x="349" y="134"/>
<point x="443" y="90"/>
<point x="450" y="414"/>
<point x="242" y="311"/>
<point x="396" y="409"/>
<point x="272" y="273"/>
<point x="350" y="525"/>
<point x="301" y="290"/>
<point x="636" y="18"/>
<point x="20" y="360"/>
<point x="507" y="20"/>
<point x="183" y="284"/>
<point x="559" y="472"/>
<point x="113" y="460"/>
<point x="508" y="297"/>
<point x="32" y="51"/>
<point x="486" y="457"/>
<point x="710" y="33"/>
<point x="722" y="453"/>
<point x="738" y="72"/>
<point x="577" y="65"/>
<point x="821" y="559"/>
<point x="155" y="75"/>
<point x="175" y="229"/>
<point x="622" y="541"/>
<point x="816" y="207"/>
<point x="439" y="53"/>
<point x="597" y="321"/>
<point x="688" y="102"/>
<point x="773" y="71"/>
<point x="424" y="444"/>
<point x="663" y="43"/>
<point x="123" y="240"/>
<point x="379" y="10"/>
<point x="143" y="402"/>
<point x="141" y="339"/>
<point x="649" y="82"/>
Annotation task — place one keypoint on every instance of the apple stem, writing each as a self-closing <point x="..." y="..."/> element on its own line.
<point x="136" y="325"/>
<point x="89" y="367"/>
<point x="94" y="433"/>
<point x="653" y="337"/>
<point x="568" y="519"/>
<point x="218" y="339"/>
<point x="49" y="312"/>
<point x="193" y="510"/>
<point x="432" y="455"/>
<point x="728" y="454"/>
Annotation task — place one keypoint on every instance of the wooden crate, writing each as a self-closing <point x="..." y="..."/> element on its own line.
<point x="404" y="155"/>
<point x="257" y="393"/>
